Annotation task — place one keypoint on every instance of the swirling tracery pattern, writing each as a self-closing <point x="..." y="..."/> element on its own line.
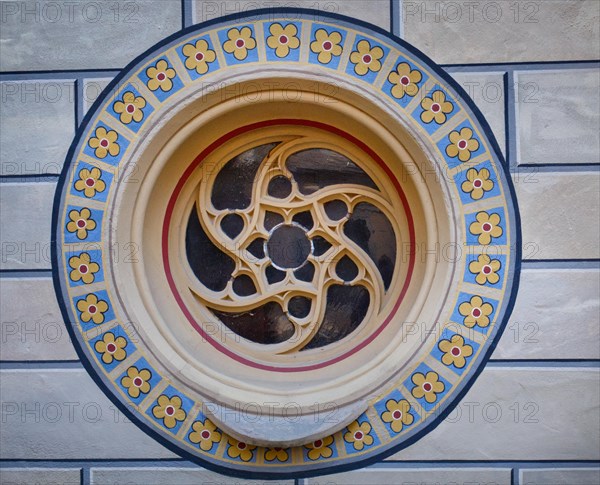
<point x="292" y="245"/>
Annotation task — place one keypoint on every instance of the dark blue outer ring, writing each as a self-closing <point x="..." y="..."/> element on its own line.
<point x="316" y="470"/>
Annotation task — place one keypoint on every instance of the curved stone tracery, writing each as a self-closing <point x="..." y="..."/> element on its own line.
<point x="308" y="242"/>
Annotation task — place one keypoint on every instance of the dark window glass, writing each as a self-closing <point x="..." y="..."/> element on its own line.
<point x="232" y="188"/>
<point x="346" y="309"/>
<point x="266" y="324"/>
<point x="316" y="168"/>
<point x="212" y="267"/>
<point x="370" y="228"/>
<point x="232" y="225"/>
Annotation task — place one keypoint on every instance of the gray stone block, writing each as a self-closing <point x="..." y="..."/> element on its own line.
<point x="37" y="124"/>
<point x="527" y="413"/>
<point x="62" y="414"/>
<point x="92" y="88"/>
<point x="558" y="116"/>
<point x="32" y="327"/>
<point x="40" y="476"/>
<point x="556" y="316"/>
<point x="487" y="91"/>
<point x="477" y="32"/>
<point x="509" y="414"/>
<point x="559" y="214"/>
<point x="417" y="476"/>
<point x="171" y="475"/>
<point x="374" y="11"/>
<point x="83" y="35"/>
<point x="560" y="476"/>
<point x="25" y="225"/>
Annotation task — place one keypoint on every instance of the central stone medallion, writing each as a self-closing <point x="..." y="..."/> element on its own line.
<point x="288" y="246"/>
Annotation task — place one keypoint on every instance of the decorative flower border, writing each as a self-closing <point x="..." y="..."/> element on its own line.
<point x="418" y="401"/>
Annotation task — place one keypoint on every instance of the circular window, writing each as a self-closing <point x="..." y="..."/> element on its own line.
<point x="286" y="243"/>
<point x="301" y="252"/>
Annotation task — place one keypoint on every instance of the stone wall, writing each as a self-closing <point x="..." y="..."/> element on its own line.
<point x="531" y="66"/>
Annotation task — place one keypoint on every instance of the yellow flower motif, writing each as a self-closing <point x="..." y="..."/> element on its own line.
<point x="486" y="226"/>
<point x="320" y="448"/>
<point x="160" y="76"/>
<point x="366" y="58"/>
<point x="204" y="434"/>
<point x="90" y="182"/>
<point x="282" y="39"/>
<point x="130" y="108"/>
<point x="239" y="449"/>
<point x="455" y="351"/>
<point x="82" y="268"/>
<point x="405" y="81"/>
<point x="104" y="143"/>
<point x="276" y="454"/>
<point x="476" y="312"/>
<point x="80" y="222"/>
<point x="478" y="183"/>
<point x="436" y="108"/>
<point x="136" y="381"/>
<point x="239" y="43"/>
<point x="397" y="414"/>
<point x="169" y="410"/>
<point x="111" y="348"/>
<point x="198" y="56"/>
<point x="427" y="386"/>
<point x="486" y="269"/>
<point x="462" y="144"/>
<point x="92" y="309"/>
<point x="358" y="435"/>
<point x="326" y="45"/>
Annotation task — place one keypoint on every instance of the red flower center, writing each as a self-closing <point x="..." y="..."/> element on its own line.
<point x="81" y="223"/>
<point x="199" y="56"/>
<point x="92" y="309"/>
<point x="367" y="59"/>
<point x="327" y="46"/>
<point x="130" y="108"/>
<point x="358" y="435"/>
<point x="161" y="76"/>
<point x="90" y="182"/>
<point x="137" y="382"/>
<point x="205" y="434"/>
<point x="170" y="410"/>
<point x="462" y="144"/>
<point x="241" y="446"/>
<point x="476" y="312"/>
<point x="283" y="39"/>
<point x="397" y="414"/>
<point x="455" y="351"/>
<point x="240" y="43"/>
<point x="83" y="269"/>
<point x="477" y="183"/>
<point x="318" y="444"/>
<point x="111" y="348"/>
<point x="487" y="227"/>
<point x="427" y="387"/>
<point x="435" y="107"/>
<point x="404" y="80"/>
<point x="104" y="142"/>
<point x="486" y="269"/>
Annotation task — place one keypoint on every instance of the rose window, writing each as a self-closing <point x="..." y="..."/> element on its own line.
<point x="300" y="253"/>
<point x="285" y="245"/>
